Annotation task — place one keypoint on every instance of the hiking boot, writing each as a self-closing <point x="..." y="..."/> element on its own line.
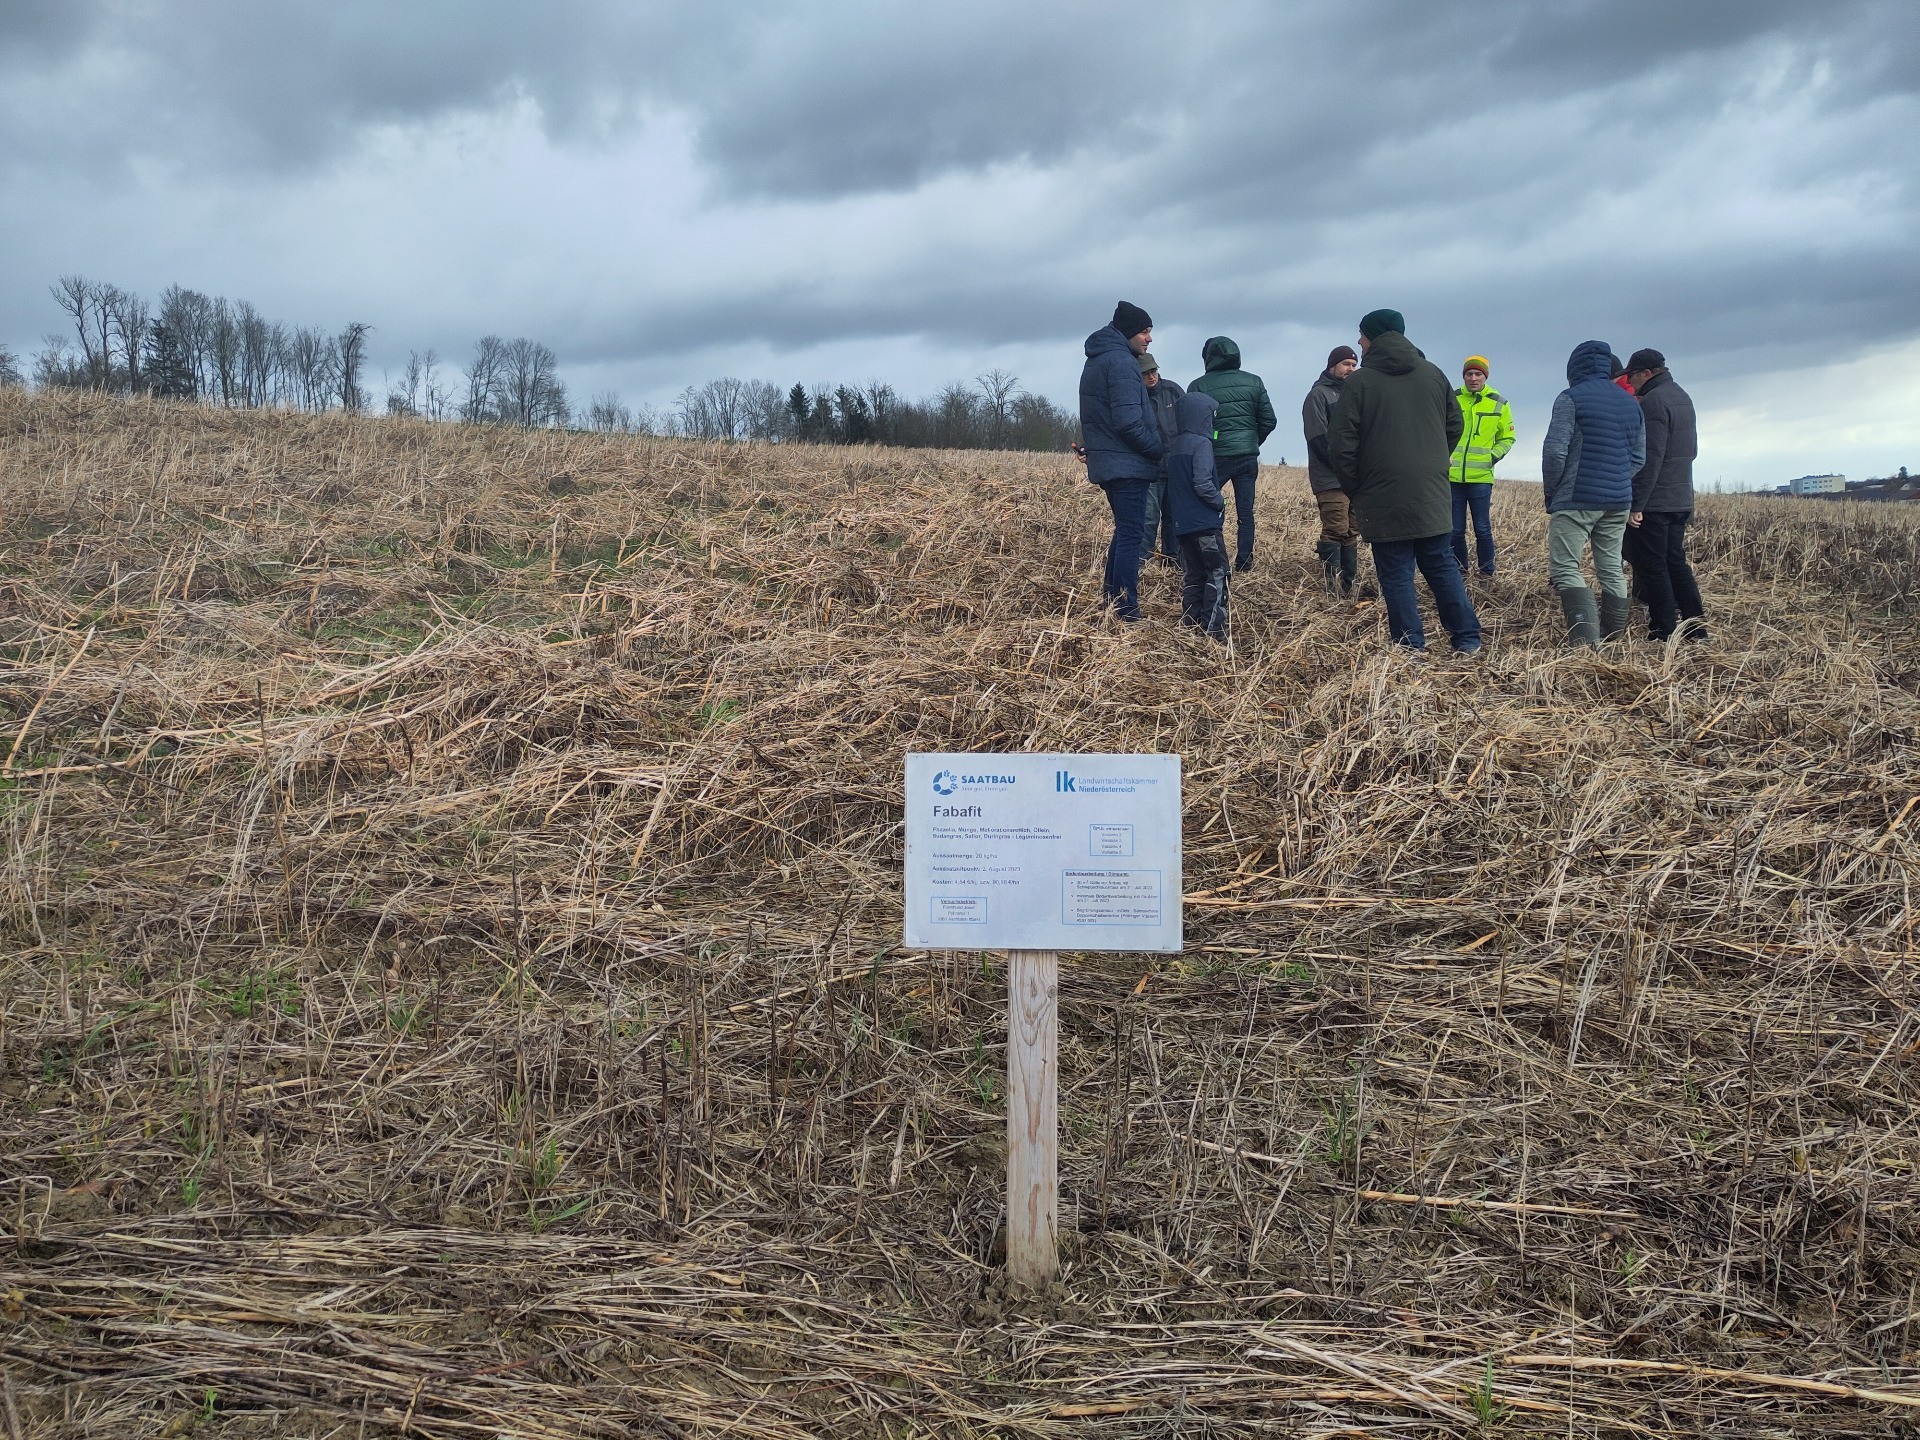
<point x="1349" y="568"/>
<point x="1581" y="614"/>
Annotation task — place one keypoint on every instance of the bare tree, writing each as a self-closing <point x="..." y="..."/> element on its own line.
<point x="56" y="367"/>
<point x="349" y="358"/>
<point x="10" y="376"/>
<point x="187" y="318"/>
<point x="404" y="398"/>
<point x="81" y="299"/>
<point x="310" y="361"/>
<point x="223" y="337"/>
<point x="260" y="348"/>
<point x="716" y="410"/>
<point x="766" y="411"/>
<point x="998" y="389"/>
<point x="128" y="319"/>
<point x="606" y="413"/>
<point x="529" y="393"/>
<point x="483" y="379"/>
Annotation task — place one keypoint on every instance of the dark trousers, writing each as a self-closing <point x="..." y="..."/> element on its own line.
<point x="1158" y="518"/>
<point x="1477" y="500"/>
<point x="1394" y="562"/>
<point x="1657" y="546"/>
<point x="1120" y="585"/>
<point x="1240" y="471"/>
<point x="1203" y="598"/>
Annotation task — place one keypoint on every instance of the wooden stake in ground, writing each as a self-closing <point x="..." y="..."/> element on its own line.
<point x="1033" y="1117"/>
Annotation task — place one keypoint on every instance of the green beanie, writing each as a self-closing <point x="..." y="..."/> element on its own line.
<point x="1376" y="323"/>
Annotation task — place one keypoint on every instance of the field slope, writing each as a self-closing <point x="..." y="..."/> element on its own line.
<point x="451" y="982"/>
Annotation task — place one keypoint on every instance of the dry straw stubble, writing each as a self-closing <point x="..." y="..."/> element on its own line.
<point x="451" y="978"/>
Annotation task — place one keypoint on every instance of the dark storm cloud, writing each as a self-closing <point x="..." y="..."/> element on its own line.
<point x="1732" y="176"/>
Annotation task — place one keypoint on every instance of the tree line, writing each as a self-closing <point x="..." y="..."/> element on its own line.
<point x="213" y="351"/>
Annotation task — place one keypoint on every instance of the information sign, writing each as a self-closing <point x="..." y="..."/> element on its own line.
<point x="1043" y="852"/>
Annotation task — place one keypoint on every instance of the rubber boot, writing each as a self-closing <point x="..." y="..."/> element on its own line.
<point x="1582" y="616"/>
<point x="1616" y="611"/>
<point x="1349" y="568"/>
<point x="1329" y="554"/>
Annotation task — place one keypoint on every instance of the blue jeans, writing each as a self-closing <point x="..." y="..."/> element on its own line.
<point x="1120" y="585"/>
<point x="1479" y="499"/>
<point x="1393" y="566"/>
<point x="1240" y="471"/>
<point x="1158" y="518"/>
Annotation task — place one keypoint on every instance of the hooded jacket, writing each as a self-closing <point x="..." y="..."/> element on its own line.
<point x="1117" y="422"/>
<point x="1193" y="486"/>
<point x="1486" y="437"/>
<point x="1665" y="480"/>
<point x="1246" y="414"/>
<point x="1315" y="411"/>
<point x="1388" y="441"/>
<point x="1596" y="439"/>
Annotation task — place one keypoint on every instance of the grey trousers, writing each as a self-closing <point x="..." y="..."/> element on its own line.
<point x="1571" y="531"/>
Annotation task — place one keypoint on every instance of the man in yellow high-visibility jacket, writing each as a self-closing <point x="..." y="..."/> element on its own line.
<point x="1485" y="439"/>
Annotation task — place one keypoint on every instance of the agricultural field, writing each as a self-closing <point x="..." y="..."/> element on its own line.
<point x="451" y="979"/>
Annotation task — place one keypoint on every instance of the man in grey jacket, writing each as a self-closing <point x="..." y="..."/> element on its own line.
<point x="1663" y="502"/>
<point x="1339" y="544"/>
<point x="1165" y="395"/>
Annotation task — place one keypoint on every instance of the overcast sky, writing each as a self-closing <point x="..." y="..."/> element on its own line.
<point x="846" y="190"/>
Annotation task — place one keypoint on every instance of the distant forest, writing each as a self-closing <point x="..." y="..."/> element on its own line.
<point x="225" y="353"/>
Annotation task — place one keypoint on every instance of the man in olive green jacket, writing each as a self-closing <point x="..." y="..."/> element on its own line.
<point x="1244" y="421"/>
<point x="1388" y="440"/>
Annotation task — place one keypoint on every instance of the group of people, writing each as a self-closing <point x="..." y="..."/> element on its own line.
<point x="1402" y="458"/>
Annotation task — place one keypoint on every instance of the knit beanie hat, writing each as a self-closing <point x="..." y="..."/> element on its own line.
<point x="1129" y="319"/>
<point x="1148" y="364"/>
<point x="1476" y="362"/>
<point x="1339" y="353"/>
<point x="1646" y="360"/>
<point x="1615" y="368"/>
<point x="1376" y="323"/>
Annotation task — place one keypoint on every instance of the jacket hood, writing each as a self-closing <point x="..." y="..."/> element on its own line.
<point x="1591" y="360"/>
<point x="1195" y="412"/>
<point x="1105" y="340"/>
<point x="1220" y="353"/>
<point x="1392" y="353"/>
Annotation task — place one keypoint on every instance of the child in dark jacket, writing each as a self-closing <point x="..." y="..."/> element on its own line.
<point x="1193" y="495"/>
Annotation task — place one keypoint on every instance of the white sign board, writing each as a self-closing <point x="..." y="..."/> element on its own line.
<point x="1043" y="852"/>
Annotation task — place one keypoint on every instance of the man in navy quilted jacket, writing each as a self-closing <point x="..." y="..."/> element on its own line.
<point x="1595" y="443"/>
<point x="1123" y="444"/>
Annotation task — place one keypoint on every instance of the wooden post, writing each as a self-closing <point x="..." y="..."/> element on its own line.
<point x="1033" y="1117"/>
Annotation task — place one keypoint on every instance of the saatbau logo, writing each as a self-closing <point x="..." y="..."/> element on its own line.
<point x="946" y="782"/>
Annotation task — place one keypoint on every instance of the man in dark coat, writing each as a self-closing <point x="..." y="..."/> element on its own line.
<point x="1339" y="545"/>
<point x="1389" y="439"/>
<point x="1123" y="446"/>
<point x="1663" y="501"/>
<point x="1193" y="495"/>
<point x="1165" y="395"/>
<point x="1246" y="419"/>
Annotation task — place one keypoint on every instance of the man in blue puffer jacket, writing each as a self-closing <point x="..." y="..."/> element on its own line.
<point x="1595" y="442"/>
<point x="1122" y="437"/>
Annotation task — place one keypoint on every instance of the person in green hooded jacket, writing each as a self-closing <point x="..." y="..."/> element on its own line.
<point x="1244" y="421"/>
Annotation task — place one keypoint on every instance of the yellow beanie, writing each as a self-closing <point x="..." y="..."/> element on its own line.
<point x="1476" y="362"/>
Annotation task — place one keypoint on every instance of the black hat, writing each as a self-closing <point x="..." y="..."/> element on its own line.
<point x="1129" y="319"/>
<point x="1646" y="360"/>
<point x="1614" y="368"/>
<point x="1339" y="353"/>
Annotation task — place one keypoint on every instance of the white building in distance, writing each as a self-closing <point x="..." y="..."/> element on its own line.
<point x="1818" y="485"/>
